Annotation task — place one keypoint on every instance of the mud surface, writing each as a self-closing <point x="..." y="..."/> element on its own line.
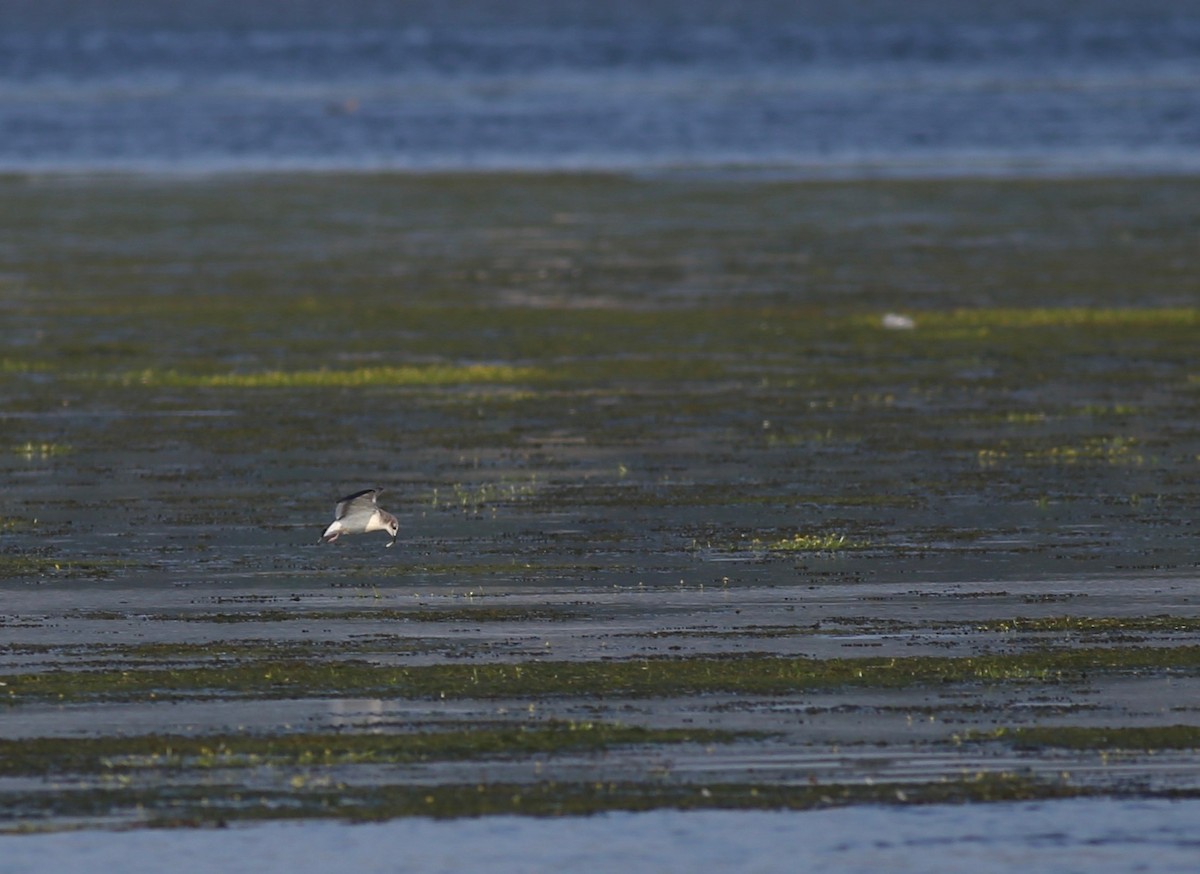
<point x="712" y="492"/>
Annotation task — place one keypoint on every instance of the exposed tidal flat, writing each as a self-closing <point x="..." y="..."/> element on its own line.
<point x="686" y="519"/>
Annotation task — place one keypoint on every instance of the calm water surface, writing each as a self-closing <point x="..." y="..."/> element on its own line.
<point x="1099" y="837"/>
<point x="862" y="88"/>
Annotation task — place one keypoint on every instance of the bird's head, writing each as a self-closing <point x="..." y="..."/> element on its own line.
<point x="393" y="528"/>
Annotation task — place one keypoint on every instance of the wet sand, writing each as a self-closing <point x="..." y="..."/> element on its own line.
<point x="623" y="421"/>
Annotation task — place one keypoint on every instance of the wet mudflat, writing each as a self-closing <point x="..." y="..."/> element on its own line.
<point x="713" y="492"/>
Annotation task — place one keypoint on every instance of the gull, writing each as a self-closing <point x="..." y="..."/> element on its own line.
<point x="359" y="514"/>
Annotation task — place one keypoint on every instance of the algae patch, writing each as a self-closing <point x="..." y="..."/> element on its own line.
<point x="1093" y="624"/>
<point x="1024" y="318"/>
<point x="96" y="755"/>
<point x="412" y="375"/>
<point x="809" y="543"/>
<point x="311" y="797"/>
<point x="1073" y="737"/>
<point x="626" y="678"/>
<point x="40" y="449"/>
<point x="18" y="564"/>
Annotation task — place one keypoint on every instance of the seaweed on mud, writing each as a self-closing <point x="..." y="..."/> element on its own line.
<point x="28" y="564"/>
<point x="1094" y="624"/>
<point x="147" y="753"/>
<point x="625" y="678"/>
<point x="587" y="383"/>
<point x="216" y="805"/>
<point x="1094" y="737"/>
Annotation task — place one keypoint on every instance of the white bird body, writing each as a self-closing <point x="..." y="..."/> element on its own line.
<point x="360" y="514"/>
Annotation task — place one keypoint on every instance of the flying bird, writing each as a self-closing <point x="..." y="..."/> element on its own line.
<point x="360" y="514"/>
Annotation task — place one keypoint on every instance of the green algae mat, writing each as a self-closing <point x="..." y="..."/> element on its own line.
<point x="713" y="491"/>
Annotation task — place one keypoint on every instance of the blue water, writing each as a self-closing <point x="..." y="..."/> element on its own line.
<point x="860" y="89"/>
<point x="1083" y="836"/>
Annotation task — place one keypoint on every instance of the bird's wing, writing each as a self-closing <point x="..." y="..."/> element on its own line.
<point x="358" y="502"/>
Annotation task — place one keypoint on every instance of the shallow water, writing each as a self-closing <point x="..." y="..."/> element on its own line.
<point x="1063" y="836"/>
<point x="625" y="423"/>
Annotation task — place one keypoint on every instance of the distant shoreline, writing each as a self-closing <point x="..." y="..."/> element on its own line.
<point x="882" y="172"/>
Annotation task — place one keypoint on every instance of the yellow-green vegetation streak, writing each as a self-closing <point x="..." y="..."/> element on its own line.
<point x="18" y="365"/>
<point x="1061" y="317"/>
<point x="634" y="678"/>
<point x="40" y="449"/>
<point x="405" y="375"/>
<point x="808" y="543"/>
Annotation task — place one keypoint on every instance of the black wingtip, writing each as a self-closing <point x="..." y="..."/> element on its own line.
<point x="363" y="493"/>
